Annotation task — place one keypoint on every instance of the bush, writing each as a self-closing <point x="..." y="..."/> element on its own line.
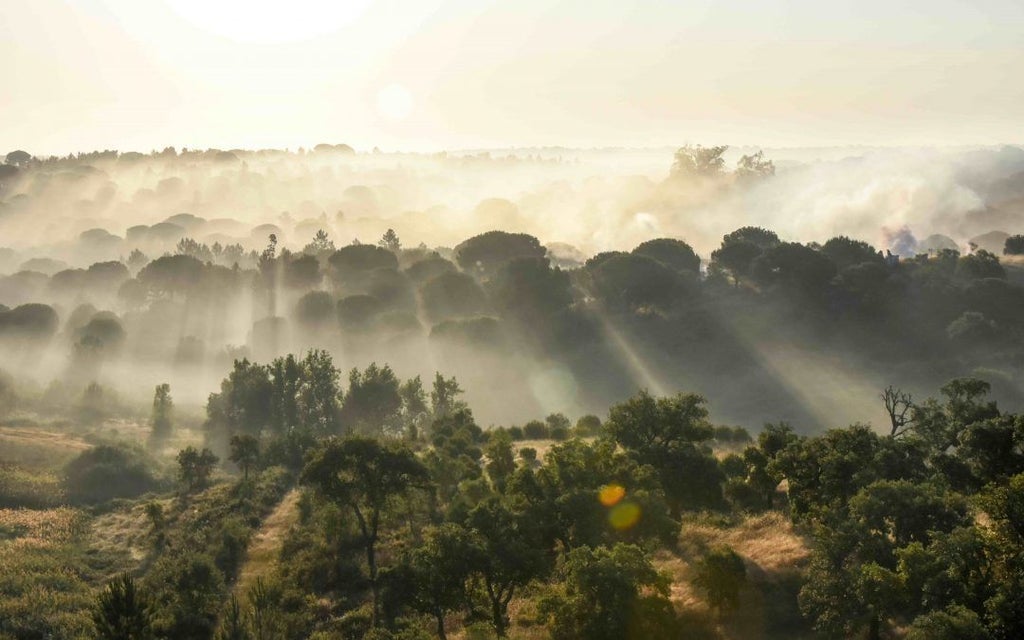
<point x="536" y="430"/>
<point x="559" y="433"/>
<point x="106" y="472"/>
<point x="588" y="425"/>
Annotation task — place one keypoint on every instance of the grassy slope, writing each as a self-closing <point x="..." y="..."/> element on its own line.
<point x="265" y="545"/>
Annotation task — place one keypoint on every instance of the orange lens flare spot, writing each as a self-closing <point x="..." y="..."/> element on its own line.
<point x="611" y="494"/>
<point x="624" y="516"/>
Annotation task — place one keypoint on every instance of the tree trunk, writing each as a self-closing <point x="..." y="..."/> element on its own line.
<point x="439" y="614"/>
<point x="371" y="562"/>
<point x="497" y="611"/>
<point x="874" y="628"/>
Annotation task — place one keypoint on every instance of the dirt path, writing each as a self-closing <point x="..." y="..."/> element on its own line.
<point x="263" y="549"/>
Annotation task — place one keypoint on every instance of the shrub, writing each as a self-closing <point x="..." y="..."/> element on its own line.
<point x="536" y="430"/>
<point x="106" y="472"/>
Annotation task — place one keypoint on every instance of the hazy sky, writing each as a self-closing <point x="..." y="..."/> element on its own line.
<point x="431" y="74"/>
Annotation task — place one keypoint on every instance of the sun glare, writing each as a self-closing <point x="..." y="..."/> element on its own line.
<point x="269" y="22"/>
<point x="394" y="102"/>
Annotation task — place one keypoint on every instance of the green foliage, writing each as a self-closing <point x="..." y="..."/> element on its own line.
<point x="106" y="472"/>
<point x="364" y="476"/>
<point x="721" y="574"/>
<point x="372" y="402"/>
<point x="195" y="467"/>
<point x="245" y="452"/>
<point x="122" y="612"/>
<point x="672" y="253"/>
<point x="611" y="594"/>
<point x="668" y="434"/>
<point x="163" y="407"/>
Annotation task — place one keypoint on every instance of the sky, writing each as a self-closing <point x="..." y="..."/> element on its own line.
<point x="425" y="75"/>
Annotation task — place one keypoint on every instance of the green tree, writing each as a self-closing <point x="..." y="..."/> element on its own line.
<point x="195" y="467"/>
<point x="316" y="398"/>
<point x="390" y="241"/>
<point x="443" y="396"/>
<point x="364" y="476"/>
<point x="668" y="433"/>
<point x="245" y="452"/>
<point x="162" y="410"/>
<point x="512" y="556"/>
<point x="1014" y="245"/>
<point x="721" y="574"/>
<point x="611" y="594"/>
<point x="122" y="612"/>
<point x="372" y="402"/>
<point x="233" y="626"/>
<point x="440" y="568"/>
<point x="501" y="460"/>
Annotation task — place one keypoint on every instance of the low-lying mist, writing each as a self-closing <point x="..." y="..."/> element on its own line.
<point x="131" y="270"/>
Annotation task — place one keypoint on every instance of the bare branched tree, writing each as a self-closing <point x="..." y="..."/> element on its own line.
<point x="898" y="405"/>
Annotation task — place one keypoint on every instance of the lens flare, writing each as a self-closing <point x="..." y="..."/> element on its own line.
<point x="611" y="494"/>
<point x="624" y="516"/>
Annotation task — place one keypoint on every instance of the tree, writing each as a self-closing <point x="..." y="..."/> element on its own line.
<point x="897" y="405"/>
<point x="753" y="167"/>
<point x="122" y="612"/>
<point x="452" y="294"/>
<point x="195" y="467"/>
<point x="171" y="275"/>
<point x="315" y="311"/>
<point x="233" y="625"/>
<point x="321" y="244"/>
<point x="721" y="574"/>
<point x="364" y="476"/>
<point x="501" y="460"/>
<point x="18" y="158"/>
<point x="317" y="406"/>
<point x="978" y="265"/>
<point x="1014" y="245"/>
<point x="440" y="568"/>
<point x="735" y="258"/>
<point x="673" y="253"/>
<point x="372" y="401"/>
<point x="846" y="252"/>
<point x="795" y="267"/>
<point x="302" y="271"/>
<point x="666" y="433"/>
<point x="698" y="161"/>
<point x="414" y="404"/>
<point x="512" y="555"/>
<point x="611" y="594"/>
<point x="106" y="472"/>
<point x="485" y="253"/>
<point x="443" y="401"/>
<point x="163" y="406"/>
<point x="246" y="399"/>
<point x="245" y="452"/>
<point x="390" y="241"/>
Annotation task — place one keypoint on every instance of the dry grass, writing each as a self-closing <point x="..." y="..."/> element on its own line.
<point x="38" y="448"/>
<point x="126" y="530"/>
<point x="774" y="554"/>
<point x="39" y="527"/>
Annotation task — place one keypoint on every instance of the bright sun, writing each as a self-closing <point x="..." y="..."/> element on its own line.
<point x="394" y="102"/>
<point x="269" y="21"/>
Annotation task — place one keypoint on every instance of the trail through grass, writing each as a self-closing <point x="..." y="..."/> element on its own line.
<point x="264" y="548"/>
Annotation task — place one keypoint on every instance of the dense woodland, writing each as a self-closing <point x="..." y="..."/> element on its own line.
<point x="327" y="488"/>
